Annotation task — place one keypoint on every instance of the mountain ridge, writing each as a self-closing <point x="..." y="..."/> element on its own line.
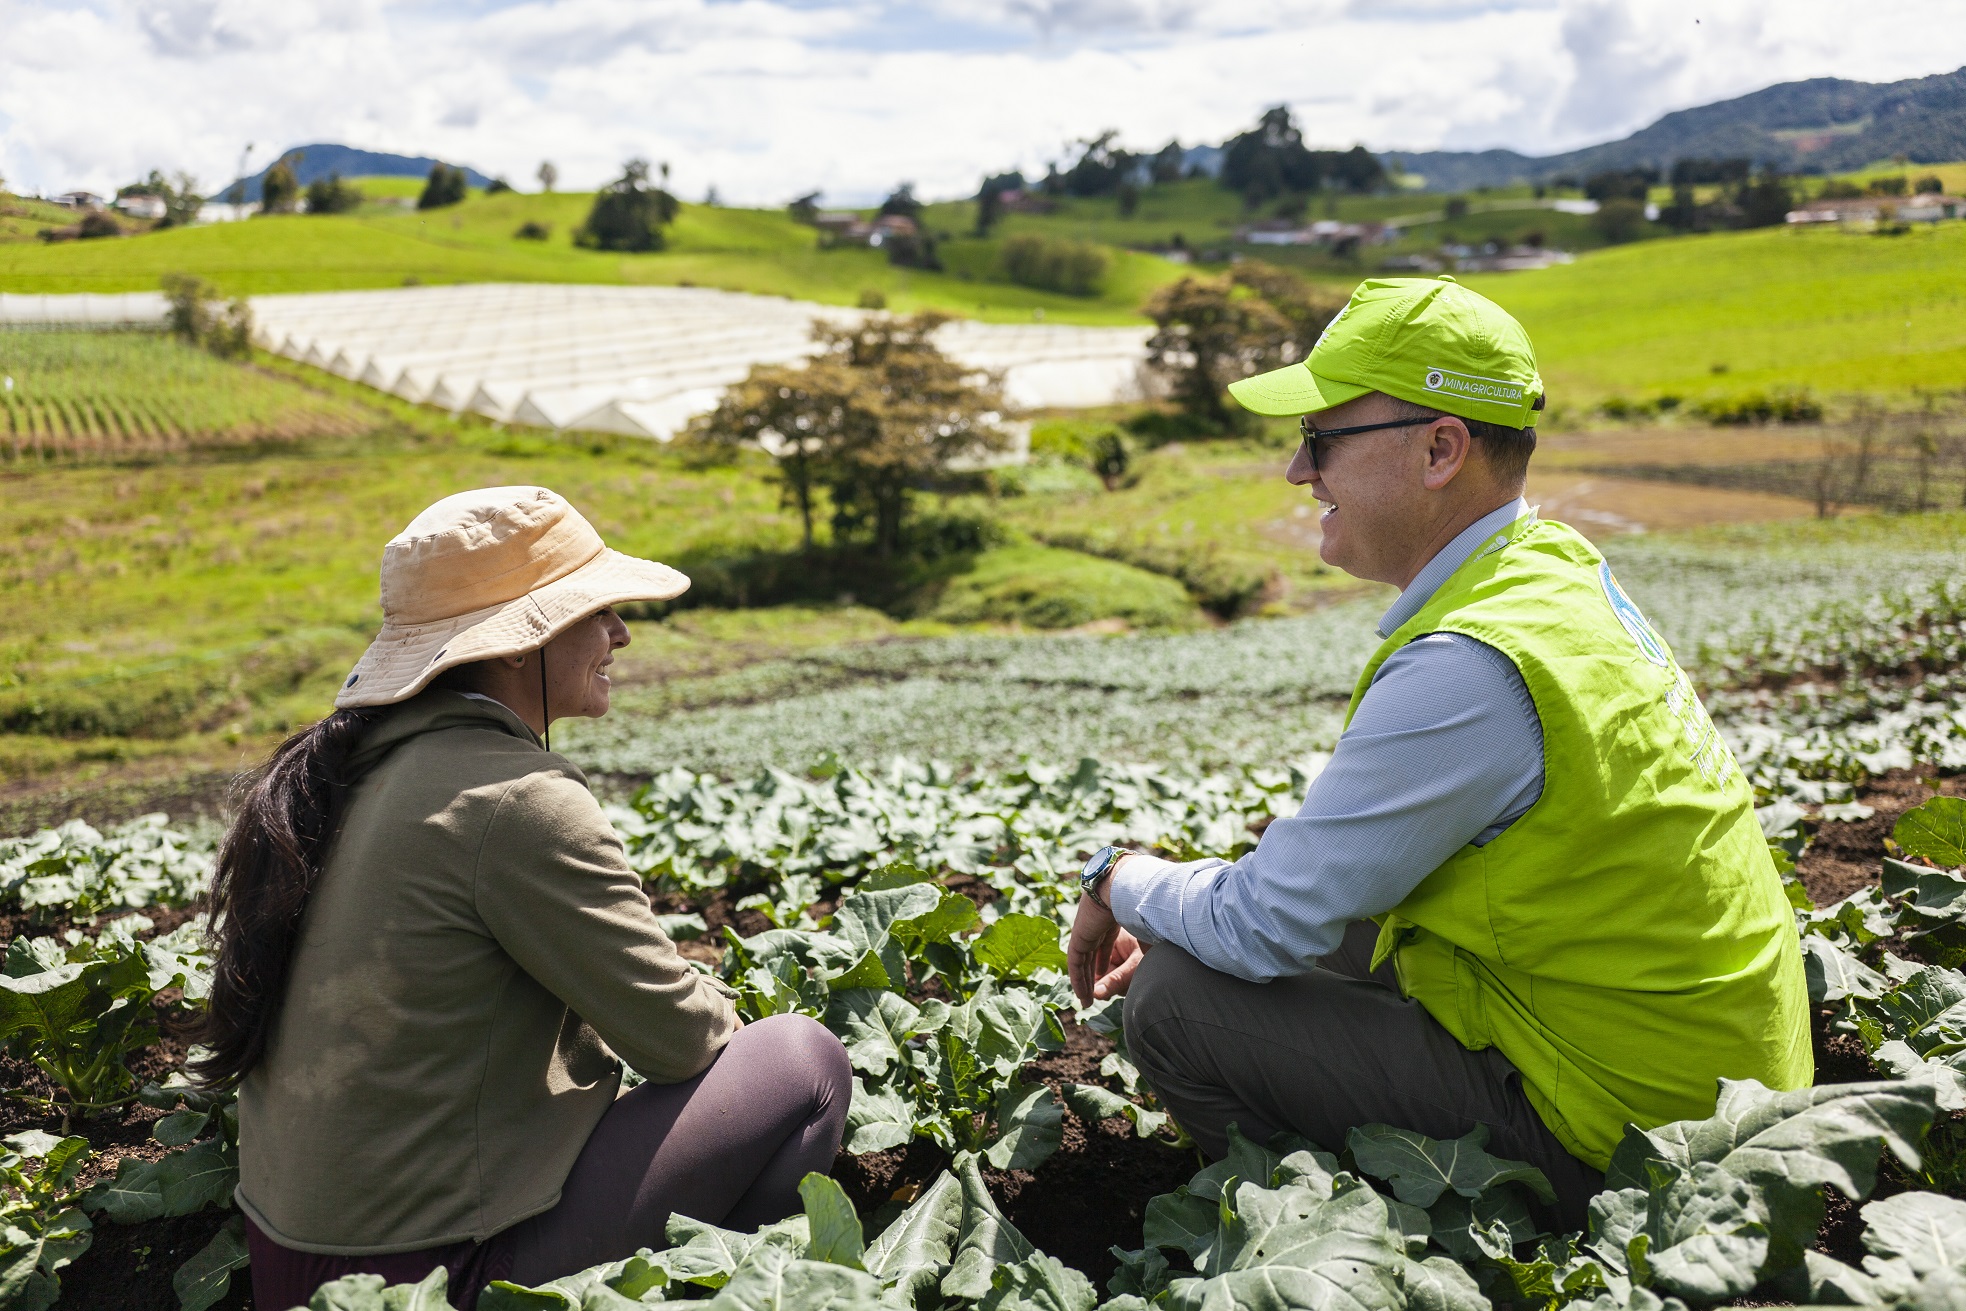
<point x="323" y="159"/>
<point x="1817" y="125"/>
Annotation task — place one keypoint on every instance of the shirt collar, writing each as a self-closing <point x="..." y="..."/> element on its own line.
<point x="1450" y="557"/>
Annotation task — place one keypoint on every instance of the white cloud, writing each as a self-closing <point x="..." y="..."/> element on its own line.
<point x="768" y="98"/>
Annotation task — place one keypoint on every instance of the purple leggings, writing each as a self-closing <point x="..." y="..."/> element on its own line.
<point x="728" y="1147"/>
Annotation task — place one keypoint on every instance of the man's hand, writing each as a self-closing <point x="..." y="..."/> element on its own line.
<point x="1102" y="955"/>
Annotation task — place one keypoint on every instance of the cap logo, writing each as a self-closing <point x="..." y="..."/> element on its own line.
<point x="1474" y="387"/>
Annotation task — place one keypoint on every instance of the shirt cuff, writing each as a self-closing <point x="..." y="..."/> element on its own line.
<point x="1127" y="884"/>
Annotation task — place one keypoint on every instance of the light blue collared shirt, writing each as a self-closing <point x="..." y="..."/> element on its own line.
<point x="1445" y="750"/>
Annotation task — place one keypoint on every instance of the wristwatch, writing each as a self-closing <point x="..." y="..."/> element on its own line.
<point x="1096" y="870"/>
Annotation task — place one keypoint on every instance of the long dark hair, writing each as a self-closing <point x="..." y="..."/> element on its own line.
<point x="271" y="857"/>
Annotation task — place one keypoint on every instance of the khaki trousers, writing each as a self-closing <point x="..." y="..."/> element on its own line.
<point x="1325" y="1052"/>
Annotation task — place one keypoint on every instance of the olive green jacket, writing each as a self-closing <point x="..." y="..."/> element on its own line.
<point x="475" y="962"/>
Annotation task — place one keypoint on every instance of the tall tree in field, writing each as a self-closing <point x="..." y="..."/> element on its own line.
<point x="446" y="186"/>
<point x="548" y="175"/>
<point x="628" y="214"/>
<point x="1306" y="308"/>
<point x="1209" y="333"/>
<point x="877" y="414"/>
<point x="279" y="193"/>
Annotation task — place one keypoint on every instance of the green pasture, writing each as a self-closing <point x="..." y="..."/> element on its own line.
<point x="1835" y="311"/>
<point x="760" y="251"/>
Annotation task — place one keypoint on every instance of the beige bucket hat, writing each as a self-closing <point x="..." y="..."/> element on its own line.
<point x="495" y="572"/>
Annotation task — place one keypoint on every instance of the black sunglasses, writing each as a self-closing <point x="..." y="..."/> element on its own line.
<point x="1312" y="436"/>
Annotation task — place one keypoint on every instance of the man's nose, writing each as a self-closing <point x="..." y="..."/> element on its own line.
<point x="1300" y="471"/>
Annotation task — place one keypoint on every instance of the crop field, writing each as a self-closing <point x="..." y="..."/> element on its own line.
<point x="118" y="395"/>
<point x="919" y="913"/>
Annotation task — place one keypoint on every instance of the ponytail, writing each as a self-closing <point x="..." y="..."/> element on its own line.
<point x="267" y="868"/>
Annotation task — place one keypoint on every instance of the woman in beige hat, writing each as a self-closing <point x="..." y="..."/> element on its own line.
<point x="434" y="958"/>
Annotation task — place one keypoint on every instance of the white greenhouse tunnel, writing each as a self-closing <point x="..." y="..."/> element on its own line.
<point x="640" y="361"/>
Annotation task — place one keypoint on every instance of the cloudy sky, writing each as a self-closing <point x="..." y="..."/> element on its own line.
<point x="763" y="99"/>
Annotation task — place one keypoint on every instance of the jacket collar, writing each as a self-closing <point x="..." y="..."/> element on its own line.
<point x="434" y="711"/>
<point x="1450" y="557"/>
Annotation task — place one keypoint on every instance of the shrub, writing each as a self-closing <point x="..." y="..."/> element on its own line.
<point x="533" y="230"/>
<point x="1075" y="268"/>
<point x="1619" y="220"/>
<point x="446" y="186"/>
<point x="1209" y="334"/>
<point x="497" y="185"/>
<point x="98" y="224"/>
<point x="872" y="298"/>
<point x="195" y="316"/>
<point x="330" y="195"/>
<point x="278" y="191"/>
<point x="1109" y="458"/>
<point x="628" y="213"/>
<point x="1930" y="185"/>
<point x="1754" y="408"/>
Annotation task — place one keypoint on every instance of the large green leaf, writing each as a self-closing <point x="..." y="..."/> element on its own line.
<point x="701" y="1253"/>
<point x="864" y="917"/>
<point x="368" y="1293"/>
<point x="1439" y="1283"/>
<point x="180" y="1183"/>
<point x="985" y="1238"/>
<point x="1454" y="1221"/>
<point x="611" y="1286"/>
<point x="772" y="1279"/>
<point x="1935" y="830"/>
<point x="912" y="1253"/>
<point x="1340" y="1256"/>
<point x="953" y="914"/>
<point x="1018" y="946"/>
<point x="1706" y="1236"/>
<point x="1926" y="897"/>
<point x="832" y="1223"/>
<point x="877" y="1119"/>
<point x="1420" y="1168"/>
<point x="24" y="1285"/>
<point x="1834" y="974"/>
<point x="1014" y="1027"/>
<point x="1039" y="1283"/>
<point x="207" y="1276"/>
<point x="1800" y="1139"/>
<point x="874" y="1025"/>
<point x="1030" y="1125"/>
<point x="1914" y="1236"/>
<point x="1091" y="1102"/>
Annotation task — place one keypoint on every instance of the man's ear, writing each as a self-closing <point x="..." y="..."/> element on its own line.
<point x="1448" y="442"/>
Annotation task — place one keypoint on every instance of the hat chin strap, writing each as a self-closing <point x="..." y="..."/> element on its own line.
<point x="545" y="711"/>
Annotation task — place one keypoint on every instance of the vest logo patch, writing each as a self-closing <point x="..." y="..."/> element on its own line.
<point x="1631" y="617"/>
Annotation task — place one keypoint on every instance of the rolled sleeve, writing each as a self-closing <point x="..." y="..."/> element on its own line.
<point x="1445" y="750"/>
<point x="555" y="888"/>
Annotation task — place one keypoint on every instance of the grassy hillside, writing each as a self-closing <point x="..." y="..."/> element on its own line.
<point x="386" y="246"/>
<point x="1833" y="311"/>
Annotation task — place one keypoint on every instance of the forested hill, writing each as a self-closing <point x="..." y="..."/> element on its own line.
<point x="1825" y="124"/>
<point x="321" y="160"/>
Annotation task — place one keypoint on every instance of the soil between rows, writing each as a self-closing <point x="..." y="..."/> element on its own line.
<point x="1087" y="1198"/>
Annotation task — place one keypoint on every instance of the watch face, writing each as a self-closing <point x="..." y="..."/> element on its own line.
<point x="1097" y="865"/>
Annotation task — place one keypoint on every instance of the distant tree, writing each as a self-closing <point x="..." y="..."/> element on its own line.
<point x="909" y="249"/>
<point x="1269" y="159"/>
<point x="1684" y="213"/>
<point x="805" y="209"/>
<point x="1765" y="202"/>
<point x="1165" y="166"/>
<point x="1838" y="189"/>
<point x="196" y="317"/>
<point x="497" y="185"/>
<point x="330" y="195"/>
<point x="1456" y="208"/>
<point x="1887" y="186"/>
<point x="96" y="223"/>
<point x="181" y="199"/>
<point x="878" y="413"/>
<point x="547" y="175"/>
<point x="1619" y="220"/>
<point x="1621" y="184"/>
<point x="533" y="230"/>
<point x="446" y="186"/>
<point x="711" y="198"/>
<point x="1075" y="268"/>
<point x="1129" y="199"/>
<point x="989" y="199"/>
<point x="1209" y="333"/>
<point x="1101" y="167"/>
<point x="1308" y="309"/>
<point x="1931" y="185"/>
<point x="1709" y="172"/>
<point x="278" y="192"/>
<point x="628" y="214"/>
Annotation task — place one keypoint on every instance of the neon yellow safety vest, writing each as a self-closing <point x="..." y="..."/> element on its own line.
<point x="1626" y="942"/>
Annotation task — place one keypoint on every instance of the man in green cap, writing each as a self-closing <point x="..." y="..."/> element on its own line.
<point x="1528" y="894"/>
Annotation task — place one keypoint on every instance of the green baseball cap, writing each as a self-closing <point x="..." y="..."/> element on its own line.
<point x="1430" y="341"/>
